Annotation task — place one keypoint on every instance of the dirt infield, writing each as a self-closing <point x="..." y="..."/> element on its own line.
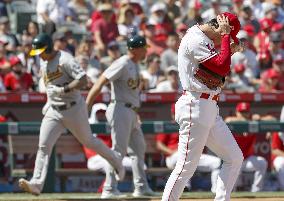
<point x="192" y="196"/>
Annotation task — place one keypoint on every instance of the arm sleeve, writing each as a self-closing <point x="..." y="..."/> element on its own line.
<point x="220" y="63"/>
<point x="276" y="143"/>
<point x="74" y="70"/>
<point x="115" y="70"/>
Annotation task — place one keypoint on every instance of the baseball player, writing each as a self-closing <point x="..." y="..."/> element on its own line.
<point x="65" y="108"/>
<point x="246" y="142"/>
<point x="202" y="71"/>
<point x="121" y="114"/>
<point x="277" y="150"/>
<point x="168" y="144"/>
<point x="97" y="162"/>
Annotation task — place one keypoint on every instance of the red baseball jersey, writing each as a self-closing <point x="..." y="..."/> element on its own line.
<point x="14" y="82"/>
<point x="246" y="144"/>
<point x="105" y="138"/>
<point x="170" y="140"/>
<point x="276" y="143"/>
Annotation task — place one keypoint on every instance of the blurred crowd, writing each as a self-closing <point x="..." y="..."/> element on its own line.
<point x="106" y="24"/>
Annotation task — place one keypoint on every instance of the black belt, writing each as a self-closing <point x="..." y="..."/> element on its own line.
<point x="63" y="107"/>
<point x="128" y="105"/>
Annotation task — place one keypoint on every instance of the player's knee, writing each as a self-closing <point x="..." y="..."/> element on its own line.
<point x="263" y="164"/>
<point x="44" y="149"/>
<point x="237" y="158"/>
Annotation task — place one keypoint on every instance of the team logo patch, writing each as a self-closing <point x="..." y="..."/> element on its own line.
<point x="49" y="76"/>
<point x="211" y="48"/>
<point x="133" y="84"/>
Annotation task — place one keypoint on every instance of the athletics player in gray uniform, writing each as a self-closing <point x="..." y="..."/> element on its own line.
<point x="121" y="114"/>
<point x="65" y="108"/>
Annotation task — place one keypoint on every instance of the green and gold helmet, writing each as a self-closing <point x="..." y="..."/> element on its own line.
<point x="41" y="43"/>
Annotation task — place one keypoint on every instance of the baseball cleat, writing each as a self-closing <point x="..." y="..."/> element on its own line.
<point x="112" y="194"/>
<point x="28" y="187"/>
<point x="146" y="192"/>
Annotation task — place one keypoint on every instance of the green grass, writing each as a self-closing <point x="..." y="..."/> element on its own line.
<point x="93" y="196"/>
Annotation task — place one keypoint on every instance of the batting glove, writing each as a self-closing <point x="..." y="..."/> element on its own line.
<point x="53" y="90"/>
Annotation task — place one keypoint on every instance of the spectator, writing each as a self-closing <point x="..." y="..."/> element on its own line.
<point x="86" y="47"/>
<point x="212" y="12"/>
<point x="92" y="76"/>
<point x="169" y="56"/>
<point x="168" y="144"/>
<point x="138" y="7"/>
<point x="113" y="53"/>
<point x="152" y="74"/>
<point x="237" y="6"/>
<point x="239" y="82"/>
<point x="105" y="30"/>
<point x="6" y="36"/>
<point x="31" y="31"/>
<point x="173" y="11"/>
<point x="126" y="26"/>
<point x="275" y="46"/>
<point x="247" y="18"/>
<point x="246" y="57"/>
<point x="246" y="142"/>
<point x="51" y="13"/>
<point x="181" y="30"/>
<point x="59" y="41"/>
<point x="163" y="24"/>
<point x="261" y="41"/>
<point x="2" y="86"/>
<point x="17" y="79"/>
<point x="277" y="151"/>
<point x="4" y="63"/>
<point x="154" y="46"/>
<point x="194" y="14"/>
<point x="270" y="82"/>
<point x="81" y="11"/>
<point x="30" y="64"/>
<point x="278" y="68"/>
<point x="171" y="84"/>
<point x="3" y="9"/>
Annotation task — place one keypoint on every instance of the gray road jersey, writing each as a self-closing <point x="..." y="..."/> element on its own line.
<point x="60" y="71"/>
<point x="123" y="74"/>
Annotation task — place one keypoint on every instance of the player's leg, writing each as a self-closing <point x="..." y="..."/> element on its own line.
<point x="278" y="164"/>
<point x="209" y="163"/>
<point x="258" y="165"/>
<point x="119" y="118"/>
<point x="50" y="130"/>
<point x="136" y="151"/>
<point x="97" y="163"/>
<point x="171" y="160"/>
<point x="224" y="145"/>
<point x="195" y="123"/>
<point x="76" y="120"/>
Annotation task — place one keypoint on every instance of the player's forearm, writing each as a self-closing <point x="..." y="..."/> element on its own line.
<point x="76" y="84"/>
<point x="95" y="91"/>
<point x="277" y="152"/>
<point x="220" y="64"/>
<point x="164" y="149"/>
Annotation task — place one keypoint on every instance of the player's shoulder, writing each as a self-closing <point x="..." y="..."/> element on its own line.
<point x="65" y="57"/>
<point x="194" y="36"/>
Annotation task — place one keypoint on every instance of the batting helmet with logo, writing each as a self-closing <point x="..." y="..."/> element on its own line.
<point x="41" y="43"/>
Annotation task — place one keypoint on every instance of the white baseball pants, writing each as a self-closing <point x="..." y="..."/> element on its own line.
<point x="201" y="125"/>
<point x="207" y="163"/>
<point x="278" y="164"/>
<point x="258" y="165"/>
<point x="53" y="125"/>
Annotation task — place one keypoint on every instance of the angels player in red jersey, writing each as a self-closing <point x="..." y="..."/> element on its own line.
<point x="246" y="141"/>
<point x="202" y="71"/>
